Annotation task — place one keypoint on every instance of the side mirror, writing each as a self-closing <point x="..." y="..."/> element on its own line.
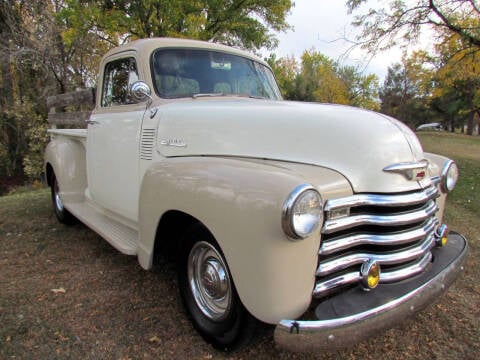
<point x="140" y="91"/>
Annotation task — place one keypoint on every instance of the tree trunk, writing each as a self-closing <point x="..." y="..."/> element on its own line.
<point x="6" y="97"/>
<point x="471" y="117"/>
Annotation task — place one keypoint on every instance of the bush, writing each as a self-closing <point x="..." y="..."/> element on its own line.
<point x="37" y="139"/>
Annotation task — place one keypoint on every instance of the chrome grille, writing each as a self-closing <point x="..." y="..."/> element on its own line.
<point x="398" y="231"/>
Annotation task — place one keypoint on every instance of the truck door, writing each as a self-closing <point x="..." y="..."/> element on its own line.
<point x="113" y="138"/>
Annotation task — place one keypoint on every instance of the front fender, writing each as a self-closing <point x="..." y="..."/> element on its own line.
<point x="436" y="163"/>
<point x="240" y="202"/>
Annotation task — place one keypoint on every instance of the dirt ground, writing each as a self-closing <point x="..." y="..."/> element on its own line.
<point x="66" y="293"/>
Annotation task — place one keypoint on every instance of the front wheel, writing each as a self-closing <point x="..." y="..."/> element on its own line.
<point x="209" y="294"/>
<point x="62" y="214"/>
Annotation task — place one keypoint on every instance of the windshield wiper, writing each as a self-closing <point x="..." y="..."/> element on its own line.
<point x="199" y="95"/>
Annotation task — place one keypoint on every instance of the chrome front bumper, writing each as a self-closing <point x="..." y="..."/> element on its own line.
<point x="356" y="315"/>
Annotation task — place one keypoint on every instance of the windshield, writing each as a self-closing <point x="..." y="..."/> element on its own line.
<point x="181" y="73"/>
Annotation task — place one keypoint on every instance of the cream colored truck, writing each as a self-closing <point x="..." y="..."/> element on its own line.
<point x="323" y="220"/>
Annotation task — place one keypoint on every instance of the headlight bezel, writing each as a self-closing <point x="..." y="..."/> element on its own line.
<point x="289" y="210"/>
<point x="449" y="169"/>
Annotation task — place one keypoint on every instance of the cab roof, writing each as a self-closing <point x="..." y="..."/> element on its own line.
<point x="145" y="47"/>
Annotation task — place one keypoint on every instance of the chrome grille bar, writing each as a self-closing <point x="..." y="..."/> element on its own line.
<point x="418" y="215"/>
<point x="323" y="288"/>
<point x="386" y="258"/>
<point x="383" y="200"/>
<point x="404" y="273"/>
<point x="333" y="245"/>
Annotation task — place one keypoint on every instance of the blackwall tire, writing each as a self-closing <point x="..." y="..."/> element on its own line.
<point x="209" y="294"/>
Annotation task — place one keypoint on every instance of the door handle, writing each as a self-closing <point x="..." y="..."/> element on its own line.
<point x="92" y="122"/>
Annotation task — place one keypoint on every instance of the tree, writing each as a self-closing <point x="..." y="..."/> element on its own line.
<point x="457" y="80"/>
<point x="243" y="23"/>
<point x="362" y="89"/>
<point x="321" y="79"/>
<point x="406" y="91"/>
<point x="318" y="80"/>
<point x="403" y="21"/>
<point x="286" y="70"/>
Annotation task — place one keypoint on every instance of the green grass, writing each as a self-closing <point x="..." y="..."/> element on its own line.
<point x="465" y="151"/>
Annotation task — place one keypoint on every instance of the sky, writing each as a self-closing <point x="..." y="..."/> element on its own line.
<point x="321" y="24"/>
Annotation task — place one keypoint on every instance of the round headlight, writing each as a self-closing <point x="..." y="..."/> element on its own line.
<point x="449" y="176"/>
<point x="302" y="212"/>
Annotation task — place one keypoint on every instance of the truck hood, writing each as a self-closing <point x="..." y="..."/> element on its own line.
<point x="356" y="143"/>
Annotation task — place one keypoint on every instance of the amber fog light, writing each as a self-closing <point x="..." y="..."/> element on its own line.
<point x="370" y="272"/>
<point x="441" y="235"/>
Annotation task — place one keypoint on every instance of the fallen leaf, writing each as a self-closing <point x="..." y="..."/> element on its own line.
<point x="59" y="291"/>
<point x="154" y="339"/>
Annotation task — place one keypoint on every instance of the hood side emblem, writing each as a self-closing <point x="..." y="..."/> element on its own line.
<point x="415" y="171"/>
<point x="173" y="142"/>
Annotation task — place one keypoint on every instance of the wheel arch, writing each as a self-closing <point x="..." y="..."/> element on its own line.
<point x="167" y="236"/>
<point x="49" y="174"/>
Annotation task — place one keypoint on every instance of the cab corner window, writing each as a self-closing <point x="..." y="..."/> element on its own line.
<point x="118" y="76"/>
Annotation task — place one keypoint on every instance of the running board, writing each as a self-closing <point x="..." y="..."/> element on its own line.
<point x="121" y="237"/>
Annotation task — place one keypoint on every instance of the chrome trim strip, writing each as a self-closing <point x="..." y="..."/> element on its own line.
<point x="408" y="271"/>
<point x="323" y="288"/>
<point x="421" y="214"/>
<point x="338" y="244"/>
<point x="407" y="169"/>
<point x="383" y="200"/>
<point x="387" y="258"/>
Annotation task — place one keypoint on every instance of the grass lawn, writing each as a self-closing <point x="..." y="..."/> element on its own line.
<point x="65" y="293"/>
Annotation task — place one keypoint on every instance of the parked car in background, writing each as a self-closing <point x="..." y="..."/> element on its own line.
<point x="430" y="127"/>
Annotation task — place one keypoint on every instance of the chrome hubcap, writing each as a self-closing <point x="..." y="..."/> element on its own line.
<point x="58" y="200"/>
<point x="209" y="281"/>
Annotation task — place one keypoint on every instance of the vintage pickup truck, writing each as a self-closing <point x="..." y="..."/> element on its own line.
<point x="323" y="220"/>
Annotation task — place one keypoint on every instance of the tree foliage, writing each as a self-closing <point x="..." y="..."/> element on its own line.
<point x="452" y="90"/>
<point x="403" y="21"/>
<point x="406" y="91"/>
<point x="242" y="23"/>
<point x="321" y="79"/>
<point x="443" y="87"/>
<point x="457" y="81"/>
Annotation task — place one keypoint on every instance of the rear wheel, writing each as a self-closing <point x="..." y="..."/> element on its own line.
<point x="63" y="215"/>
<point x="209" y="294"/>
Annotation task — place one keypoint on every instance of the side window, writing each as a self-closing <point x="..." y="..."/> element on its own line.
<point x="117" y="78"/>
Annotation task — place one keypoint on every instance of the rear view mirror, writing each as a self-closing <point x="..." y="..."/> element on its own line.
<point x="140" y="91"/>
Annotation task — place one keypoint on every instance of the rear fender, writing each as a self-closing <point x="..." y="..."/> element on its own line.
<point x="66" y="157"/>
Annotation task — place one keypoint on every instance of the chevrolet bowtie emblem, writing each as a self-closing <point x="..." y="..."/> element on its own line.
<point x="415" y="171"/>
